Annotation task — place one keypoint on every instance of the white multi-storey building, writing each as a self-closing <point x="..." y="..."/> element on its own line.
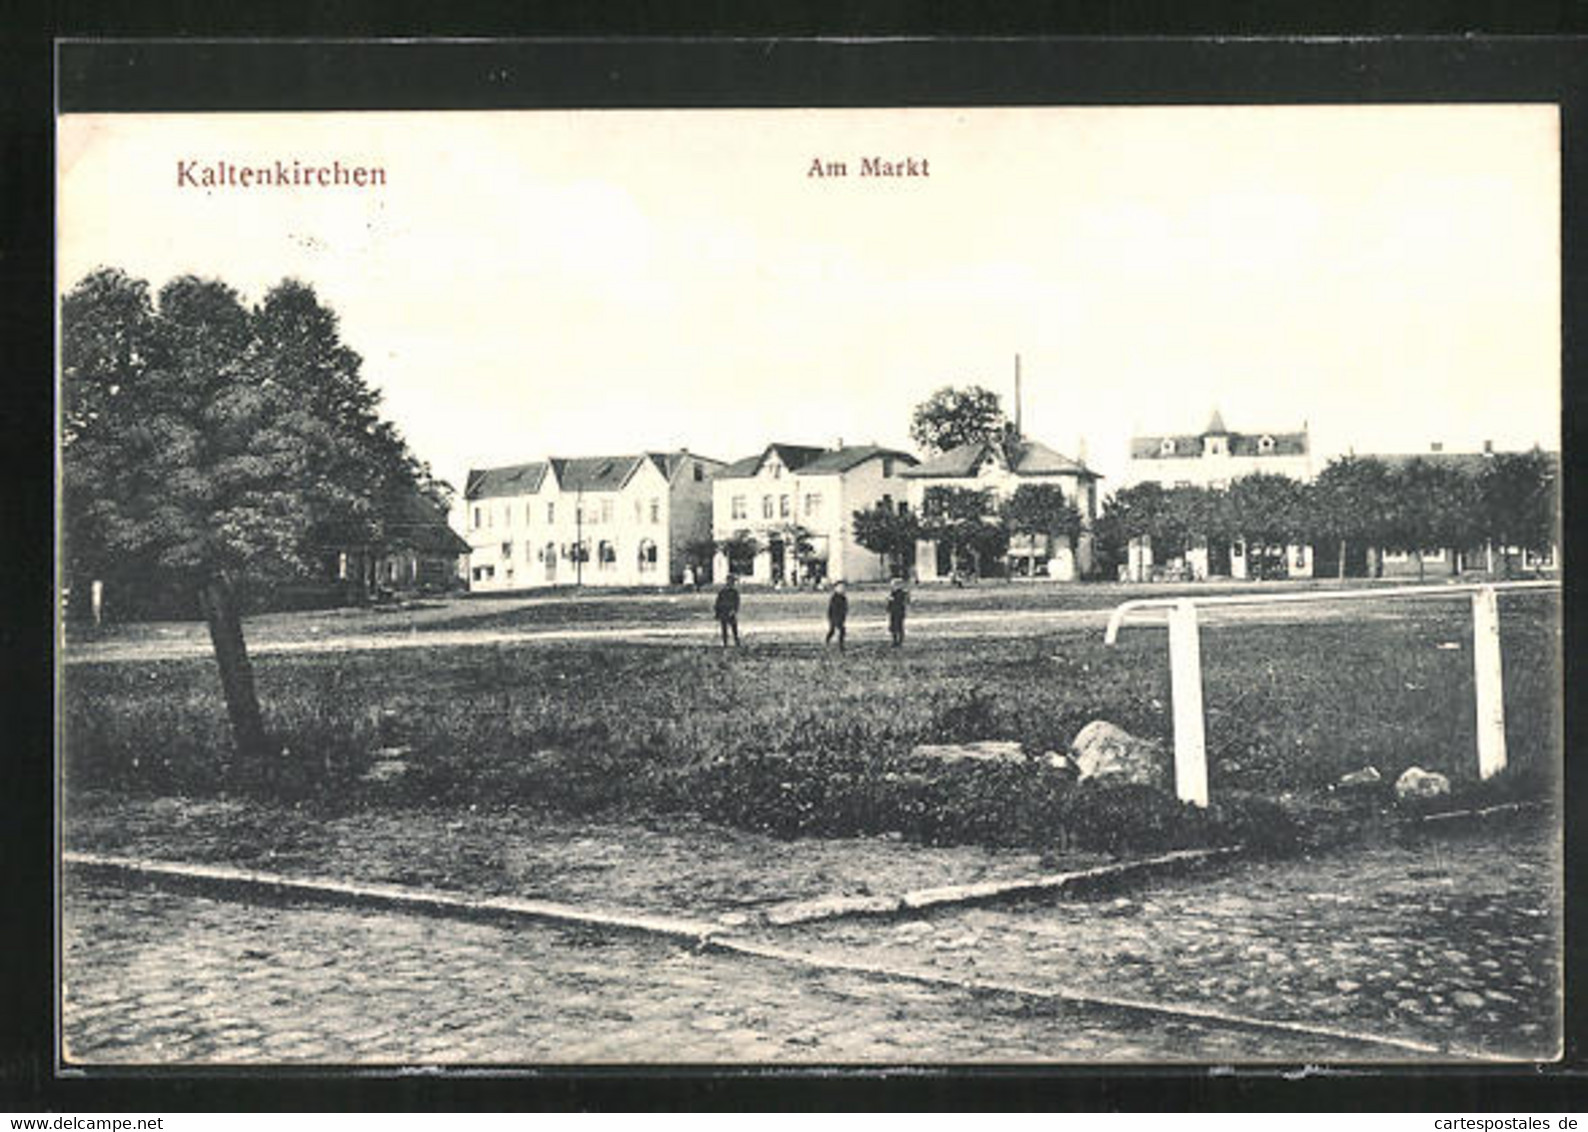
<point x="790" y="492"/>
<point x="589" y="520"/>
<point x="1214" y="458"/>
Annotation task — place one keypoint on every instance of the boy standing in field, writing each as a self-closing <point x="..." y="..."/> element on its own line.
<point x="728" y="610"/>
<point x="898" y="600"/>
<point x="837" y="612"/>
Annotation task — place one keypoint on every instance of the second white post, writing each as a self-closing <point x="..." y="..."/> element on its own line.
<point x="1488" y="682"/>
<point x="1185" y="688"/>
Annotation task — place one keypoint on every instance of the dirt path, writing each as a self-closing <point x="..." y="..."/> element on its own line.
<point x="929" y="626"/>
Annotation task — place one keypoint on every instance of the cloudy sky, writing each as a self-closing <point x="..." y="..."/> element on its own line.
<point x="601" y="282"/>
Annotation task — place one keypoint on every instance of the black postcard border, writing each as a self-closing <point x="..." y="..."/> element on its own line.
<point x="748" y="70"/>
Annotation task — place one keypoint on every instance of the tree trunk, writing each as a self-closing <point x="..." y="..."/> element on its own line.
<point x="1420" y="575"/>
<point x="1341" y="570"/>
<point x="219" y="603"/>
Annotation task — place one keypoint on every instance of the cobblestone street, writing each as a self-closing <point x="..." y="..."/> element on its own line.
<point x="1452" y="942"/>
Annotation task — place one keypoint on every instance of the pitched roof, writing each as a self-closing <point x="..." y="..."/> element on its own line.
<point x="593" y="473"/>
<point x="516" y="479"/>
<point x="411" y="522"/>
<point x="810" y="461"/>
<point x="1024" y="457"/>
<point x="1215" y="425"/>
<point x="851" y="456"/>
<point x="1240" y="443"/>
<point x="667" y="462"/>
<point x="578" y="473"/>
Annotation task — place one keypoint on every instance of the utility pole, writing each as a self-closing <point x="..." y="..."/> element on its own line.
<point x="1018" y="434"/>
<point x="578" y="536"/>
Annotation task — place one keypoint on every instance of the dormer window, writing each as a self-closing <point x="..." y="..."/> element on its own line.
<point x="1166" y="448"/>
<point x="1265" y="444"/>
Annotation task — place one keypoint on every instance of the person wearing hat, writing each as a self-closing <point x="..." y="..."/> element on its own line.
<point x="898" y="600"/>
<point x="727" y="610"/>
<point x="837" y="613"/>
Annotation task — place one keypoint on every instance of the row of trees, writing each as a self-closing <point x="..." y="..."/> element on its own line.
<point x="973" y="525"/>
<point x="207" y="443"/>
<point x="1358" y="502"/>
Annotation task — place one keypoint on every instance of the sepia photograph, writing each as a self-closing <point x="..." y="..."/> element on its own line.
<point x="1051" y="585"/>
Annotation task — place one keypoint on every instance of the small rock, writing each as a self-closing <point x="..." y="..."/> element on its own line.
<point x="1358" y="779"/>
<point x="1062" y="763"/>
<point x="1417" y="783"/>
<point x="1108" y="753"/>
<point x="1467" y="999"/>
<point x="1346" y="986"/>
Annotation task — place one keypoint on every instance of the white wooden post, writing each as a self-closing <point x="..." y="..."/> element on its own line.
<point x="1488" y="682"/>
<point x="96" y="598"/>
<point x="1185" y="687"/>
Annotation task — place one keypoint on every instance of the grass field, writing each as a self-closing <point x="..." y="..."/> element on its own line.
<point x="796" y="739"/>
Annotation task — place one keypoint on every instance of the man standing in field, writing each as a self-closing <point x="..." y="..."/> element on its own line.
<point x="898" y="600"/>
<point x="837" y="613"/>
<point x="728" y="610"/>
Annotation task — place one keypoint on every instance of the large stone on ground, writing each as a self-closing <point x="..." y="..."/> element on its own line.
<point x="1105" y="753"/>
<point x="982" y="751"/>
<point x="1419" y="784"/>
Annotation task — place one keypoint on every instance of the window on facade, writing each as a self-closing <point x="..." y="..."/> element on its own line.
<point x="476" y="521"/>
<point x="813" y="505"/>
<point x="606" y="555"/>
<point x="700" y="474"/>
<point x="887" y="502"/>
<point x="551" y="512"/>
<point x="782" y="506"/>
<point x="507" y="550"/>
<point x="636" y="510"/>
<point x="766" y="507"/>
<point x="656" y="510"/>
<point x="738" y="508"/>
<point x="647" y="556"/>
<point x="777" y="471"/>
<point x="887" y="466"/>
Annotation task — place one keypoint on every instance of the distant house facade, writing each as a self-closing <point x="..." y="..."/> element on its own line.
<point x="417" y="551"/>
<point x="1483" y="558"/>
<point x="589" y="520"/>
<point x="782" y="516"/>
<point x="1001" y="467"/>
<point x="1214" y="458"/>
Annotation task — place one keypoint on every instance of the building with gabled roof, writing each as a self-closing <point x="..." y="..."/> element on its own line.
<point x="793" y="504"/>
<point x="1000" y="466"/>
<point x="587" y="520"/>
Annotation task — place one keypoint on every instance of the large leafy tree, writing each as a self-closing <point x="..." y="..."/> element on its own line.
<point x="966" y="521"/>
<point x="888" y="533"/>
<point x="1042" y="511"/>
<point x="1432" y="506"/>
<point x="1349" y="502"/>
<point x="1518" y="502"/>
<point x="207" y="444"/>
<point x="951" y="417"/>
<point x="1265" y="511"/>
